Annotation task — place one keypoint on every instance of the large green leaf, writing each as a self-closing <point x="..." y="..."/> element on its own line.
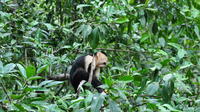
<point x="30" y="71"/>
<point x="8" y="68"/>
<point x="94" y="37"/>
<point x="86" y="31"/>
<point x="97" y="102"/>
<point x="113" y="106"/>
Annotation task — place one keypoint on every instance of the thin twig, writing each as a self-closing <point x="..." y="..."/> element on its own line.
<point x="26" y="59"/>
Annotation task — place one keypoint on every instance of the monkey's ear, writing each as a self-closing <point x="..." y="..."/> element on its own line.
<point x="99" y="52"/>
<point x="99" y="55"/>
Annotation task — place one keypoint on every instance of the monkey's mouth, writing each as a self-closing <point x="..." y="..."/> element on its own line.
<point x="102" y="64"/>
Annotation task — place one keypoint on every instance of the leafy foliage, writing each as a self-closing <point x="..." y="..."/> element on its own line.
<point x="153" y="47"/>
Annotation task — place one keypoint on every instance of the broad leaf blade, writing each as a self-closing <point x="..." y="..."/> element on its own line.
<point x="22" y="70"/>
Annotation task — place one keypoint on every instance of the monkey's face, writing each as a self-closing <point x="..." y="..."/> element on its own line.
<point x="101" y="59"/>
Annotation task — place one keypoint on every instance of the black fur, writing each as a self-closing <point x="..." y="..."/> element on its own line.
<point x="78" y="73"/>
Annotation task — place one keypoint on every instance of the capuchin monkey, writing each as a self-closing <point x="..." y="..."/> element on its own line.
<point x="81" y="69"/>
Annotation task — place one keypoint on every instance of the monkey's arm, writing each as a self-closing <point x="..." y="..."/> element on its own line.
<point x="96" y="83"/>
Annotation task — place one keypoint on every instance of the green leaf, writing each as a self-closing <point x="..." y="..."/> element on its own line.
<point x="22" y="70"/>
<point x="87" y="30"/>
<point x="30" y="71"/>
<point x="175" y="45"/>
<point x="97" y="102"/>
<point x="1" y="67"/>
<point x="186" y="64"/>
<point x="126" y="78"/>
<point x="8" y="68"/>
<point x="41" y="69"/>
<point x="35" y="78"/>
<point x="145" y="36"/>
<point x="196" y="30"/>
<point x="80" y="29"/>
<point x="162" y="52"/>
<point x="162" y="42"/>
<point x="122" y="20"/>
<point x="152" y="88"/>
<point x="13" y="96"/>
<point x="45" y="82"/>
<point x="54" y="83"/>
<point x="171" y="108"/>
<point x="113" y="106"/>
<point x="20" y="107"/>
<point x="49" y="26"/>
<point x="118" y="68"/>
<point x="168" y="77"/>
<point x="94" y="38"/>
<point x="181" y="53"/>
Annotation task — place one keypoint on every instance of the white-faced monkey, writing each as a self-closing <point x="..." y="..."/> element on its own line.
<point x="81" y="70"/>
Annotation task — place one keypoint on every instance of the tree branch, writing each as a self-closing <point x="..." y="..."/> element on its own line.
<point x="60" y="77"/>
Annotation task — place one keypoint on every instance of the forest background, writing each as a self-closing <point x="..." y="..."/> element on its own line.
<point x="153" y="48"/>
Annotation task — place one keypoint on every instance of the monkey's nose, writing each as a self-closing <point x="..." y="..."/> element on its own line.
<point x="104" y="63"/>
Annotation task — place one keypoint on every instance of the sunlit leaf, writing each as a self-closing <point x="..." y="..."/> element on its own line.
<point x="49" y="26"/>
<point x="168" y="77"/>
<point x="45" y="82"/>
<point x="118" y="68"/>
<point x="8" y="68"/>
<point x="54" y="83"/>
<point x="122" y="20"/>
<point x="175" y="45"/>
<point x="22" y="70"/>
<point x="186" y="64"/>
<point x="41" y="69"/>
<point x="82" y="6"/>
<point x="181" y="53"/>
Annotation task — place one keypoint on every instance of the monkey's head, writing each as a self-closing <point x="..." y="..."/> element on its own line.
<point x="101" y="59"/>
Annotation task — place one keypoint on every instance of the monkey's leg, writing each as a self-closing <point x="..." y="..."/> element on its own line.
<point x="78" y="76"/>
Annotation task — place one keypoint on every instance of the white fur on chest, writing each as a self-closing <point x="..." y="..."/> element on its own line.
<point x="88" y="61"/>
